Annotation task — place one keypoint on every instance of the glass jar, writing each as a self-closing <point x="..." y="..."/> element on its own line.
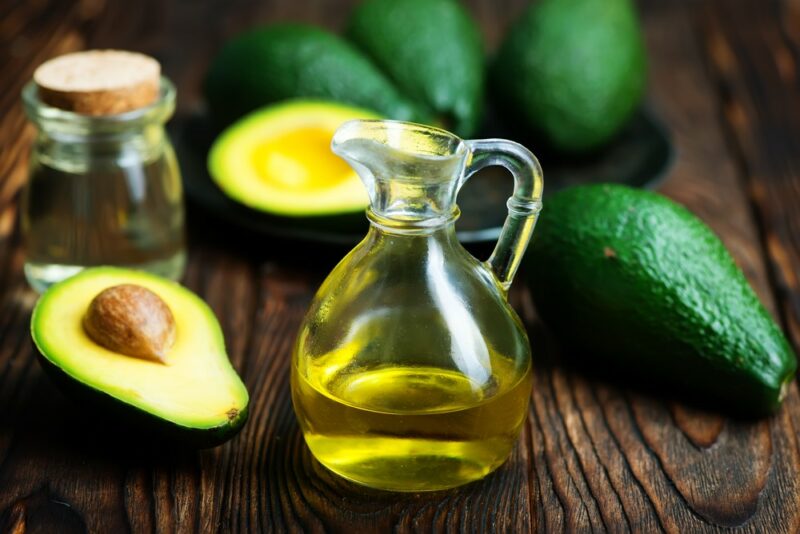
<point x="102" y="190"/>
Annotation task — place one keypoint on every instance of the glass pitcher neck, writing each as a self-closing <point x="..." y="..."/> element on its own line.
<point x="412" y="172"/>
<point x="414" y="225"/>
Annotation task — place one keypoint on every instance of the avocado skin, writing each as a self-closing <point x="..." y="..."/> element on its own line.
<point x="574" y="70"/>
<point x="137" y="422"/>
<point x="633" y="281"/>
<point x="432" y="50"/>
<point x="285" y="61"/>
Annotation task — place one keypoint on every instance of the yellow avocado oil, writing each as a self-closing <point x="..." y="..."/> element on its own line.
<point x="412" y="428"/>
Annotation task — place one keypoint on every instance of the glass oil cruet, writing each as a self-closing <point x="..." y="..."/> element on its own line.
<point x="411" y="371"/>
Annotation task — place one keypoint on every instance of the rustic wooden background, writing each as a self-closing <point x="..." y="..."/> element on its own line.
<point x="592" y="456"/>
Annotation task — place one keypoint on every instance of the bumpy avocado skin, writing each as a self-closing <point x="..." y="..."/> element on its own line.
<point x="432" y="50"/>
<point x="632" y="280"/>
<point x="285" y="61"/>
<point x="573" y="70"/>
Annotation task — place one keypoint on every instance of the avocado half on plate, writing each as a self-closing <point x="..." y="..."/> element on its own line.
<point x="278" y="160"/>
<point x="190" y="393"/>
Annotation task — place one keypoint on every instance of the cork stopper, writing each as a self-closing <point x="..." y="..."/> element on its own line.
<point x="99" y="82"/>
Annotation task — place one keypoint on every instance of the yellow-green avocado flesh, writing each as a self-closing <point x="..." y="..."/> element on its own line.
<point x="278" y="160"/>
<point x="196" y="397"/>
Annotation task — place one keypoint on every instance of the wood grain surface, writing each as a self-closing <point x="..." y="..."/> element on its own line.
<point x="593" y="456"/>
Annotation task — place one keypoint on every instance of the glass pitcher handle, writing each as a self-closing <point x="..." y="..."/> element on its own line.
<point x="523" y="206"/>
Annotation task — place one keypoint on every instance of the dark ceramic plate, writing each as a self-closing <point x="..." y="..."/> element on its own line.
<point x="640" y="156"/>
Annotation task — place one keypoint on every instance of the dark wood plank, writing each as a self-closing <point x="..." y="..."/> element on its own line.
<point x="592" y="457"/>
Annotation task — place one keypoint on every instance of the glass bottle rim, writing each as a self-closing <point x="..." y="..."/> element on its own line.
<point x="53" y="119"/>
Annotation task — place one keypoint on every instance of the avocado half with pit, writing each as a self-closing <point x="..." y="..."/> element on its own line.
<point x="278" y="160"/>
<point x="194" y="397"/>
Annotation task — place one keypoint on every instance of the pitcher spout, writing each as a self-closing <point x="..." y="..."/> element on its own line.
<point x="411" y="172"/>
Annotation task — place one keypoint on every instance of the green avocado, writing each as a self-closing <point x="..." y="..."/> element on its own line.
<point x="432" y="51"/>
<point x="195" y="398"/>
<point x="285" y="61"/>
<point x="573" y="70"/>
<point x="634" y="282"/>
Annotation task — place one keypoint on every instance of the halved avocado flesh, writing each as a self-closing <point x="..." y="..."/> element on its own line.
<point x="278" y="159"/>
<point x="196" y="397"/>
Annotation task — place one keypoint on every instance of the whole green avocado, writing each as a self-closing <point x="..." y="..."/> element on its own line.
<point x="574" y="70"/>
<point x="432" y="50"/>
<point x="633" y="281"/>
<point x="284" y="61"/>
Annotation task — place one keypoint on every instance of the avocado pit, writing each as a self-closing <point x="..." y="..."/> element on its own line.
<point x="131" y="320"/>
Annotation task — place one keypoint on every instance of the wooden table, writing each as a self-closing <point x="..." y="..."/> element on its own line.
<point x="592" y="457"/>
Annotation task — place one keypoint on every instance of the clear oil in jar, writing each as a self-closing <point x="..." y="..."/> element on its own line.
<point x="102" y="189"/>
<point x="116" y="215"/>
